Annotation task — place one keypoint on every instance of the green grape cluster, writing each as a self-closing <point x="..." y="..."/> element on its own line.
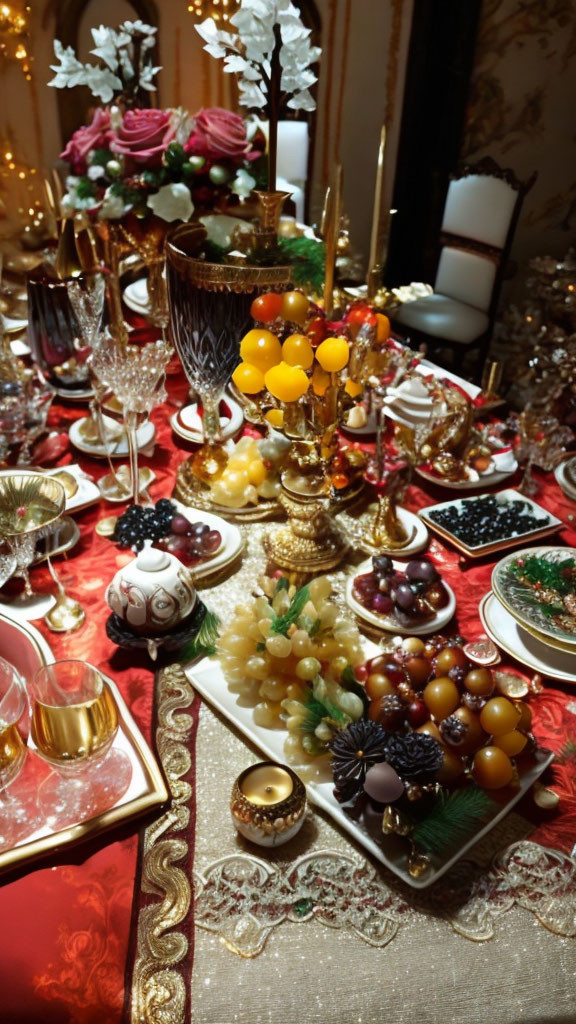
<point x="285" y="654"/>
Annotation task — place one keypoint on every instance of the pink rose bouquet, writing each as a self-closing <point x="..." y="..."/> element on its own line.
<point x="220" y="135"/>
<point x="87" y="138"/>
<point x="144" y="136"/>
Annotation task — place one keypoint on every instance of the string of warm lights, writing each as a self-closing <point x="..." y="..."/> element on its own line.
<point x="220" y="10"/>
<point x="14" y="33"/>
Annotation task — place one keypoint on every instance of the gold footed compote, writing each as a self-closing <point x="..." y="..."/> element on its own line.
<point x="30" y="506"/>
<point x="74" y="724"/>
<point x="310" y="541"/>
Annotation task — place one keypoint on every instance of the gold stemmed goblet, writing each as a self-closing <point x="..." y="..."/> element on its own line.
<point x="74" y="724"/>
<point x="30" y="506"/>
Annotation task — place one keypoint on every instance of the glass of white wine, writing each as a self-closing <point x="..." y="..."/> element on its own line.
<point x="18" y="812"/>
<point x="74" y="724"/>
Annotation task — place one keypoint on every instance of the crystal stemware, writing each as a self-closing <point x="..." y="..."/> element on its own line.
<point x="30" y="506"/>
<point x="86" y="294"/>
<point x="19" y="815"/>
<point x="74" y="724"/>
<point x="135" y="375"/>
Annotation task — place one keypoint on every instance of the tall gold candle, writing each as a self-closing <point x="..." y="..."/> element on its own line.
<point x="378" y="237"/>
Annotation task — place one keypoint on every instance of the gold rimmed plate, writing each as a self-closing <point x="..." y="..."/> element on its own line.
<point x="522" y="600"/>
<point x="521" y="645"/>
<point x="25" y="647"/>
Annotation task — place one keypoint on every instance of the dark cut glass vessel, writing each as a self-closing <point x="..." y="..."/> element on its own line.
<point x="53" y="330"/>
<point x="210" y="313"/>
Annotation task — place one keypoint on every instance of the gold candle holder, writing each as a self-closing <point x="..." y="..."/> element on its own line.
<point x="268" y="803"/>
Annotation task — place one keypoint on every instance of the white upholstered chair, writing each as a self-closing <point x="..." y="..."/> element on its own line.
<point x="480" y="215"/>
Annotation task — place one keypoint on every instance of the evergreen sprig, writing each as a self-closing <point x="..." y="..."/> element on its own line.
<point x="452" y="818"/>
<point x="282" y="623"/>
<point x="204" y="643"/>
<point x="557" y="576"/>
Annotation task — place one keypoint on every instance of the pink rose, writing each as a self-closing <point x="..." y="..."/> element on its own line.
<point x="144" y="135"/>
<point x="89" y="136"/>
<point x="220" y="135"/>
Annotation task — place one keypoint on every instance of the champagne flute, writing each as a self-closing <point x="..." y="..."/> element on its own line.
<point x="74" y="725"/>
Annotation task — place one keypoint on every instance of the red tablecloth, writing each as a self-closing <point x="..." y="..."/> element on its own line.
<point x="66" y="921"/>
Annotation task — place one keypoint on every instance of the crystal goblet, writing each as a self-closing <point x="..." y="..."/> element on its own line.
<point x="86" y="294"/>
<point x="18" y="812"/>
<point x="30" y="506"/>
<point x="74" y="724"/>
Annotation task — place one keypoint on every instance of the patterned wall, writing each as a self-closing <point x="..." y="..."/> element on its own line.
<point x="521" y="113"/>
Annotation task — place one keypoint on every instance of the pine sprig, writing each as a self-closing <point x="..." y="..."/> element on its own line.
<point x="204" y="643"/>
<point x="557" y="576"/>
<point x="282" y="623"/>
<point x="452" y="818"/>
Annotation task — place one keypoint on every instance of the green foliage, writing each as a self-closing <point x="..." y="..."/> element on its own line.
<point x="282" y="584"/>
<point x="454" y="816"/>
<point x="100" y="157"/>
<point x="204" y="643"/>
<point x="85" y="188"/>
<point x="175" y="157"/>
<point x="557" y="576"/>
<point x="307" y="257"/>
<point x="282" y="623"/>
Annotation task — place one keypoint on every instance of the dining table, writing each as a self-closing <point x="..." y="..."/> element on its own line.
<point x="174" y="917"/>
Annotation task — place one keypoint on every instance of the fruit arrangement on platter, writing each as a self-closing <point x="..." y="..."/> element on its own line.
<point x="244" y="474"/>
<point x="411" y="594"/>
<point x="171" y="531"/>
<point x="293" y="655"/>
<point x="438" y="737"/>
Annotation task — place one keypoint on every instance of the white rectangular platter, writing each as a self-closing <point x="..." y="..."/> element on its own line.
<point x="207" y="677"/>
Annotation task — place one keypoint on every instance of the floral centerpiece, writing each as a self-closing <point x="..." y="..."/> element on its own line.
<point x="133" y="159"/>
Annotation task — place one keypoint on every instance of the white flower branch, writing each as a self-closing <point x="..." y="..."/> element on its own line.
<point x="124" y="52"/>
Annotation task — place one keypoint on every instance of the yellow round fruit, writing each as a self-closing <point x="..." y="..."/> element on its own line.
<point x="275" y="417"/>
<point x="248" y="379"/>
<point x="256" y="472"/>
<point x="333" y="354"/>
<point x="295" y="307"/>
<point x="261" y="348"/>
<point x="286" y="383"/>
<point x="352" y="388"/>
<point x="320" y="380"/>
<point x="297" y="351"/>
<point x="382" y="327"/>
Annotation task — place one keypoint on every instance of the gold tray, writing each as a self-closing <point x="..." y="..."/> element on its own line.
<point x="28" y="650"/>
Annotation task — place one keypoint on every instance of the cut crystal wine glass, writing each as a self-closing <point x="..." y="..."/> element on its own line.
<point x="74" y="725"/>
<point x="30" y="506"/>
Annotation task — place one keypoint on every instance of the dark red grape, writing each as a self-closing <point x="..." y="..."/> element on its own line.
<point x="421" y="569"/>
<point x="176" y="544"/>
<point x="179" y="524"/>
<point x="382" y="565"/>
<point x="199" y="529"/>
<point x="365" y="587"/>
<point x="382" y="604"/>
<point x="404" y="597"/>
<point x="211" y="541"/>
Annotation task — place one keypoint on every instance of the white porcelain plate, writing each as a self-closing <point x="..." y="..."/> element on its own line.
<point x="389" y="623"/>
<point x="135" y="296"/>
<point x="118" y="445"/>
<point x="508" y="634"/>
<point x="232" y="540"/>
<point x="476" y="482"/>
<point x="207" y="678"/>
<point x="187" y="422"/>
<point x="563" y="474"/>
<point x="413" y="525"/>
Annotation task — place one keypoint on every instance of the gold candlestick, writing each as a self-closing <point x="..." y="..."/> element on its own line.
<point x="268" y="803"/>
<point x="331" y="221"/>
<point x="379" y="235"/>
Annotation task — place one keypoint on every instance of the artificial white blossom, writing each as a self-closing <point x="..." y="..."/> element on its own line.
<point x="182" y="124"/>
<point x="243" y="184"/>
<point x="113" y="206"/>
<point x="96" y="171"/>
<point x="71" y="201"/>
<point x="248" y="52"/>
<point x="172" y="202"/>
<point x="117" y="51"/>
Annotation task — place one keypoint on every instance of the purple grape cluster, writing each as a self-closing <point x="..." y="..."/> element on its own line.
<point x="169" y="530"/>
<point x="416" y="593"/>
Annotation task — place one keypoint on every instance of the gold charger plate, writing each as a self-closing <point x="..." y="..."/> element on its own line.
<point x="28" y="650"/>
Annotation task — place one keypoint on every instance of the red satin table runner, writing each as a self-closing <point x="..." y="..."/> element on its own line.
<point x="66" y="920"/>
